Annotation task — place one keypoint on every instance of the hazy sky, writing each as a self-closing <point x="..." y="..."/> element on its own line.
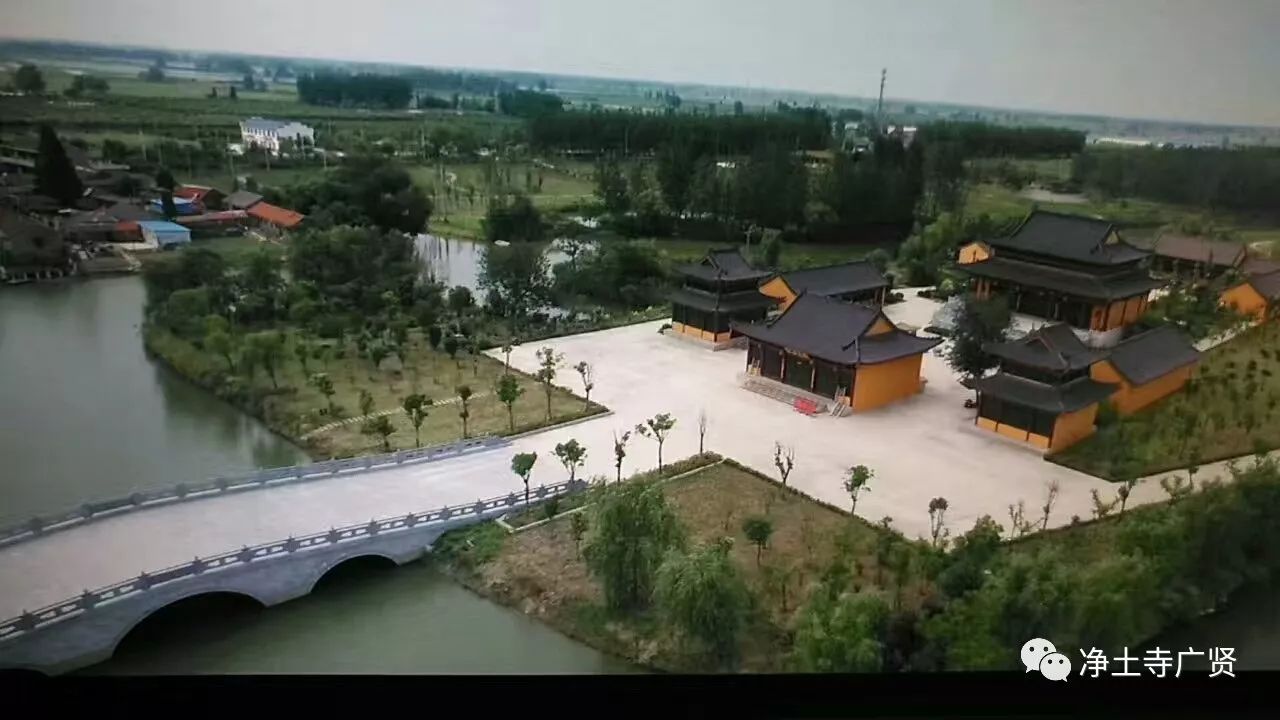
<point x="1207" y="60"/>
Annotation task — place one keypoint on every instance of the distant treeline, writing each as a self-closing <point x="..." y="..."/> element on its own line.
<point x="362" y="90"/>
<point x="620" y="131"/>
<point x="1214" y="178"/>
<point x="466" y="83"/>
<point x="529" y="104"/>
<point x="977" y="139"/>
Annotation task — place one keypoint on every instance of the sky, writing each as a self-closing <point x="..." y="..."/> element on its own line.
<point x="1214" y="61"/>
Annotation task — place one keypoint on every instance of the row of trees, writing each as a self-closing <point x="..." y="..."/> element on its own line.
<point x="359" y="90"/>
<point x="364" y="191"/>
<point x="630" y="132"/>
<point x="1245" y="179"/>
<point x="979" y="139"/>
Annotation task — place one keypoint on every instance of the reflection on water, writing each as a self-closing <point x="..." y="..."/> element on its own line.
<point x="361" y="619"/>
<point x="457" y="262"/>
<point x="85" y="415"/>
<point x="1250" y="623"/>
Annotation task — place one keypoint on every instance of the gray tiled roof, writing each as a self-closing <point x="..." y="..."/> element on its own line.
<point x="835" y="331"/>
<point x="1267" y="284"/>
<point x="836" y="279"/>
<point x="1069" y="237"/>
<point x="1152" y="354"/>
<point x="1053" y="347"/>
<point x="727" y="264"/>
<point x="1070" y="282"/>
<point x="1064" y="398"/>
<point x="1195" y="248"/>
<point x="242" y="199"/>
<point x="725" y="302"/>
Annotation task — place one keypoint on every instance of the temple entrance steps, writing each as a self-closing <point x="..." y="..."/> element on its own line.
<point x="785" y="393"/>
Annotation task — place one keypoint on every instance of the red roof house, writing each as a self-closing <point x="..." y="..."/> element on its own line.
<point x="277" y="216"/>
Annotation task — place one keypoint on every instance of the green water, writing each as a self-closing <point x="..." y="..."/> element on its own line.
<point x="85" y="415"/>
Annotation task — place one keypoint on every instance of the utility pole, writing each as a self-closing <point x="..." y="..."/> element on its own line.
<point x="880" y="103"/>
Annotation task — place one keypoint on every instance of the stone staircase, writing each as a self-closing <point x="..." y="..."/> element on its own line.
<point x="785" y="393"/>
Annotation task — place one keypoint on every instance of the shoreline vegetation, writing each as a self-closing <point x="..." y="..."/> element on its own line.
<point x="829" y="592"/>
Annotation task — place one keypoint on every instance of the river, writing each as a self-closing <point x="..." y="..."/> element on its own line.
<point x="85" y="415"/>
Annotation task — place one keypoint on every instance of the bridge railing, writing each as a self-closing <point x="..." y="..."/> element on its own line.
<point x="42" y="524"/>
<point x="73" y="606"/>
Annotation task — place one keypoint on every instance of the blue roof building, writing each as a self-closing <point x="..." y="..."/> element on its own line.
<point x="183" y="206"/>
<point x="164" y="234"/>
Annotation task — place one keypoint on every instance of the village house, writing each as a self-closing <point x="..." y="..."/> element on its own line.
<point x="850" y="353"/>
<point x="241" y="200"/>
<point x="1064" y="268"/>
<point x="275" y="217"/>
<point x="204" y="198"/>
<point x="163" y="234"/>
<point x="716" y="291"/>
<point x="851" y="282"/>
<point x="269" y="134"/>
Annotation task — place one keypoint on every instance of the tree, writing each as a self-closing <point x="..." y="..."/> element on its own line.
<point x="702" y="594"/>
<point x="415" y="406"/>
<point x="620" y="452"/>
<point x="702" y="429"/>
<point x="1051" y="497"/>
<point x="507" y="346"/>
<point x="165" y="179"/>
<point x="841" y="634"/>
<point x="464" y="397"/>
<point x="656" y="429"/>
<point x="978" y="323"/>
<point x="377" y="353"/>
<point x="302" y="350"/>
<point x="268" y="350"/>
<point x="611" y="185"/>
<point x="167" y="206"/>
<point x="366" y="403"/>
<point x="460" y="300"/>
<point x="231" y="92"/>
<point x="515" y="279"/>
<point x="451" y="347"/>
<point x="856" y="483"/>
<point x="784" y="458"/>
<point x="937" y="521"/>
<point x="587" y="373"/>
<point x="923" y="255"/>
<point x="548" y="362"/>
<point x="55" y="174"/>
<point x="758" y="530"/>
<point x="634" y="528"/>
<point x="522" y="465"/>
<point x="578" y="528"/>
<point x="676" y="163"/>
<point x="517" y="221"/>
<point x="571" y="455"/>
<point x="218" y="339"/>
<point x="87" y="85"/>
<point x="28" y="79"/>
<point x="324" y="384"/>
<point x="382" y="427"/>
<point x="508" y="390"/>
<point x="434" y="336"/>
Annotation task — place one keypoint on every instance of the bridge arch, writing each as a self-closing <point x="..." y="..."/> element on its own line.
<point x="360" y="556"/>
<point x="152" y="609"/>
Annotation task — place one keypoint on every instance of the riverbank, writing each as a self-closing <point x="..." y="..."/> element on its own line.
<point x="297" y="410"/>
<point x="962" y="603"/>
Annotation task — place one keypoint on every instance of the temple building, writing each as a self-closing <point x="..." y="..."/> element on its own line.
<point x="1043" y="393"/>
<point x="851" y="282"/>
<point x="1147" y="367"/>
<point x="1065" y="268"/>
<point x="1195" y="256"/>
<point x="1258" y="295"/>
<point x="848" y="352"/>
<point x="717" y="291"/>
<point x="1050" y="383"/>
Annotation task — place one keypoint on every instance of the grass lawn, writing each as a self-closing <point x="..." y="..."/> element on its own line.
<point x="539" y="571"/>
<point x="296" y="408"/>
<point x="1227" y="411"/>
<point x="461" y="214"/>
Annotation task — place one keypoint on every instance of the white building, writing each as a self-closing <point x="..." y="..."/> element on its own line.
<point x="268" y="134"/>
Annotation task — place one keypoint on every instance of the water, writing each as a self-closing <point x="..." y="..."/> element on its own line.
<point x="457" y="262"/>
<point x="1250" y="623"/>
<point x="84" y="415"/>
